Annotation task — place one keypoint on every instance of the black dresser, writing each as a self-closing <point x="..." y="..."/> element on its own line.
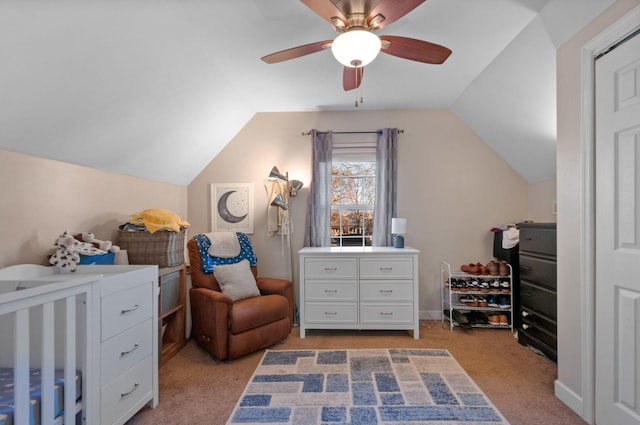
<point x="537" y="309"/>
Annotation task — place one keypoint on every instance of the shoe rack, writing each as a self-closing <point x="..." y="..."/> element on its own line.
<point x="473" y="300"/>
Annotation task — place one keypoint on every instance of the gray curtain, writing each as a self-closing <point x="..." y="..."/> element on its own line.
<point x="386" y="187"/>
<point x="317" y="232"/>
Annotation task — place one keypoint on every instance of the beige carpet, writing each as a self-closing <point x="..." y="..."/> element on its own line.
<point x="197" y="389"/>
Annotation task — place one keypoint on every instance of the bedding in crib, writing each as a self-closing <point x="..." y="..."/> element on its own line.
<point x="6" y="396"/>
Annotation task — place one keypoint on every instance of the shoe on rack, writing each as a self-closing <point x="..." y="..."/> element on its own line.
<point x="495" y="285"/>
<point x="480" y="317"/>
<point x="492" y="301"/>
<point x="465" y="299"/>
<point x="482" y="302"/>
<point x="504" y="302"/>
<point x="493" y="268"/>
<point x="461" y="319"/>
<point x="472" y="285"/>
<point x="505" y="286"/>
<point x="483" y="286"/>
<point x="503" y="269"/>
<point x="503" y="319"/>
<point x="493" y="319"/>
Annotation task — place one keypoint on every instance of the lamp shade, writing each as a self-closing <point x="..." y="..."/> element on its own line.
<point x="398" y="226"/>
<point x="356" y="48"/>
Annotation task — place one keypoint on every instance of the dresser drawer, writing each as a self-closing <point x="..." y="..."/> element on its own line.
<point x="125" y="350"/>
<point x="124" y="392"/>
<point x="540" y="333"/>
<point x="538" y="270"/>
<point x="386" y="268"/>
<point x="345" y="290"/>
<point x="330" y="268"/>
<point x="386" y="313"/>
<point x="538" y="299"/>
<point x="541" y="336"/>
<point x="392" y="290"/>
<point x="125" y="309"/>
<point x="538" y="239"/>
<point x="331" y="313"/>
<point x="531" y="318"/>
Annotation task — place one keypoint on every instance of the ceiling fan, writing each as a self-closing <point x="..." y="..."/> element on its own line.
<point x="356" y="44"/>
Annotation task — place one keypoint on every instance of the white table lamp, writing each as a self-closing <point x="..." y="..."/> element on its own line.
<point x="398" y="230"/>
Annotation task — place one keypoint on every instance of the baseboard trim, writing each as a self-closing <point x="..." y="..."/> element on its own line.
<point x="430" y="315"/>
<point x="569" y="397"/>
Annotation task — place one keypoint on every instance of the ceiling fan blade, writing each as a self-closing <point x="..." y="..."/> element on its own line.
<point x="391" y="10"/>
<point x="328" y="11"/>
<point x="415" y="50"/>
<point x="352" y="77"/>
<point x="296" y="52"/>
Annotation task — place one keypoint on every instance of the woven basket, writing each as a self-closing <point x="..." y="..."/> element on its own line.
<point x="164" y="248"/>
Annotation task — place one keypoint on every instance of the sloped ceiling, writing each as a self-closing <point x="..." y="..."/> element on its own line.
<point x="156" y="88"/>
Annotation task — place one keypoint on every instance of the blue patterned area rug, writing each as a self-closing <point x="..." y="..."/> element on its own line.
<point x="363" y="387"/>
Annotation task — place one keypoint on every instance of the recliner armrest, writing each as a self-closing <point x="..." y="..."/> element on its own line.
<point x="210" y="318"/>
<point x="284" y="287"/>
<point x="272" y="285"/>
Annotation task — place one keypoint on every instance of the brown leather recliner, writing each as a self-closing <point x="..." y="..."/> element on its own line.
<point x="228" y="329"/>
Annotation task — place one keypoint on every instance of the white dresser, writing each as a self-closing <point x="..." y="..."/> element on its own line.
<point x="359" y="288"/>
<point x="128" y="342"/>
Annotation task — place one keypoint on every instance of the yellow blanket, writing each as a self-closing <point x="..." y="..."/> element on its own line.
<point x="158" y="219"/>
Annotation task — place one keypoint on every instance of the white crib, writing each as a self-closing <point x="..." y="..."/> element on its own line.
<point x="50" y="327"/>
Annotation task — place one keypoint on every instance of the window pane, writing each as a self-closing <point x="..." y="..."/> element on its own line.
<point x="352" y="200"/>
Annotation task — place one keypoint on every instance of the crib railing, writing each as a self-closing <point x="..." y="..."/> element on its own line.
<point x="46" y="320"/>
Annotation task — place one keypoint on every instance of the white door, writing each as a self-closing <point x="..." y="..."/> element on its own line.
<point x="618" y="235"/>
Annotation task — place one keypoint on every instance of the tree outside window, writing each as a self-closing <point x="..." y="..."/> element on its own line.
<point x="352" y="201"/>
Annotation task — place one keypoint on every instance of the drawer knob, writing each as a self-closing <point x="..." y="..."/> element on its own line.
<point x="386" y="291"/>
<point x="525" y="313"/>
<point x="525" y="326"/>
<point x="385" y="314"/>
<point x="128" y="310"/>
<point x="135" y="387"/>
<point x="330" y="291"/>
<point x="330" y="269"/>
<point x="135" y="347"/>
<point x="330" y="313"/>
<point x="386" y="269"/>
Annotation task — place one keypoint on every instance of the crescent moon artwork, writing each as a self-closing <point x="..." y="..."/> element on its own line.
<point x="232" y="208"/>
<point x="225" y="213"/>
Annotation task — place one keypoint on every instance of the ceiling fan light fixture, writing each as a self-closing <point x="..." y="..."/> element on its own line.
<point x="356" y="48"/>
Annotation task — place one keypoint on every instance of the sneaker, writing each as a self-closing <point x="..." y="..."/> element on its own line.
<point x="482" y="302"/>
<point x="505" y="286"/>
<point x="504" y="302"/>
<point x="472" y="285"/>
<point x="492" y="301"/>
<point x="466" y="299"/>
<point x="503" y="319"/>
<point x="483" y="286"/>
<point x="495" y="285"/>
<point x="493" y="319"/>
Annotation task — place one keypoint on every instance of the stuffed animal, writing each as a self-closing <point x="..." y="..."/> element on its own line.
<point x="68" y="249"/>
<point x="89" y="237"/>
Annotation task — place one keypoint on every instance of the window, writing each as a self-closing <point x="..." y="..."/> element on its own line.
<point x="353" y="189"/>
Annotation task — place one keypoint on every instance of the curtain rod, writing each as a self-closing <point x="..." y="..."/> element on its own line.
<point x="400" y="131"/>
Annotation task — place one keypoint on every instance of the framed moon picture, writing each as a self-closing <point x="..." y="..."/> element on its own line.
<point x="232" y="207"/>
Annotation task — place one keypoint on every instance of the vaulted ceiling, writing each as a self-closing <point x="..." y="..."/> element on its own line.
<point x="156" y="88"/>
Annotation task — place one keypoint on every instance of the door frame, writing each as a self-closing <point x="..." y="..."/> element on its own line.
<point x="601" y="43"/>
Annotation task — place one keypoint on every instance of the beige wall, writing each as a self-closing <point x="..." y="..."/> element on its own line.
<point x="452" y="187"/>
<point x="42" y="198"/>
<point x="541" y="200"/>
<point x="570" y="197"/>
